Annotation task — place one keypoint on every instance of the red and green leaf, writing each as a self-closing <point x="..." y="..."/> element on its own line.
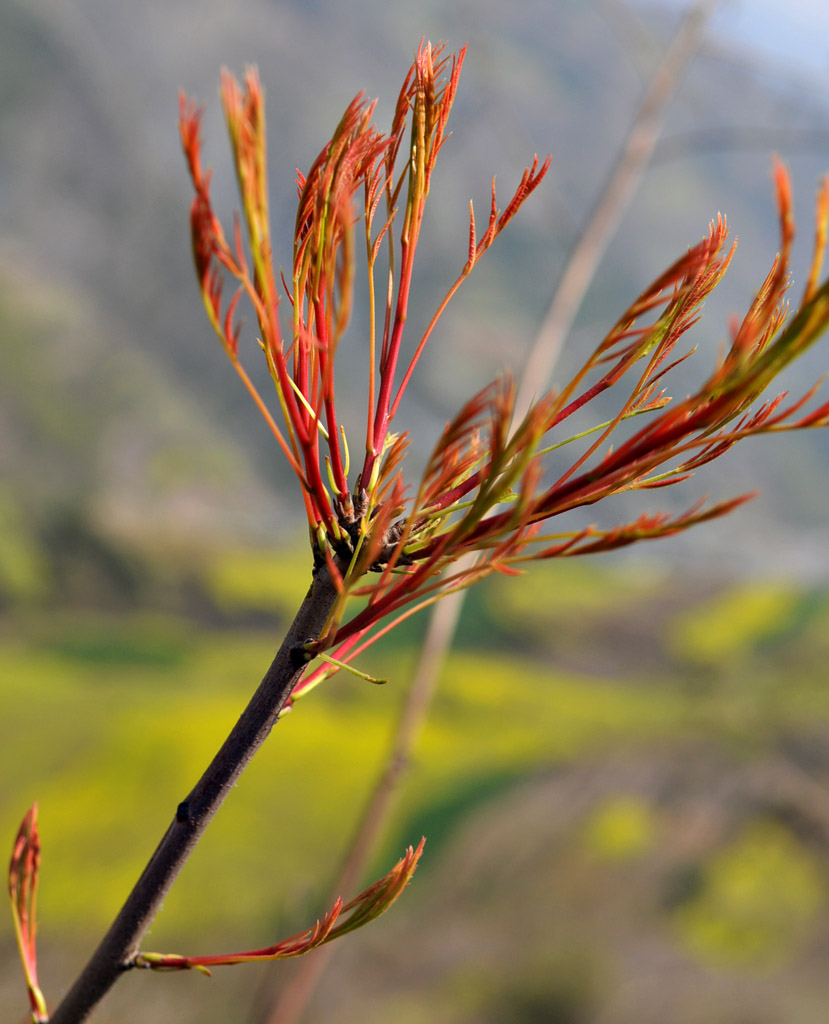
<point x="23" y="882"/>
<point x="486" y="495"/>
<point x="340" y="919"/>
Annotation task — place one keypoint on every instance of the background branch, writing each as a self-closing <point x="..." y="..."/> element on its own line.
<point x="567" y="298"/>
<point x="611" y="204"/>
<point x="371" y="824"/>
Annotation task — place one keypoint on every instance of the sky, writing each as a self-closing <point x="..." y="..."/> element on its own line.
<point x="793" y="34"/>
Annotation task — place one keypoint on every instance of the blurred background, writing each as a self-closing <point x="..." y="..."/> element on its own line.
<point x="622" y="777"/>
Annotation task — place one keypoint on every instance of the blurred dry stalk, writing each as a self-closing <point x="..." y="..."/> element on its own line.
<point x="483" y="504"/>
<point x="612" y="202"/>
<point x="579" y="270"/>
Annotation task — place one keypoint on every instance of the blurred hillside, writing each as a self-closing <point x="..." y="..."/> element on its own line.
<point x="117" y="411"/>
<point x="623" y="780"/>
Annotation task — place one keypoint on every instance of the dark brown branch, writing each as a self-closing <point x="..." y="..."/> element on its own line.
<point x="119" y="946"/>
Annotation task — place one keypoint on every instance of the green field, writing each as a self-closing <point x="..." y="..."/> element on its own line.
<point x="625" y="680"/>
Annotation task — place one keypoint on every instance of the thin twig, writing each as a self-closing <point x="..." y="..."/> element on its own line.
<point x="567" y="298"/>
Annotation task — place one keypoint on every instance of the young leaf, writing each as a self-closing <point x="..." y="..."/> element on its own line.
<point x="23" y="879"/>
<point x="340" y="919"/>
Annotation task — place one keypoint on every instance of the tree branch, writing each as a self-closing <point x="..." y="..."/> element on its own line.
<point x="117" y="950"/>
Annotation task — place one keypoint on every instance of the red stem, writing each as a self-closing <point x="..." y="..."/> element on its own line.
<point x="389" y="363"/>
